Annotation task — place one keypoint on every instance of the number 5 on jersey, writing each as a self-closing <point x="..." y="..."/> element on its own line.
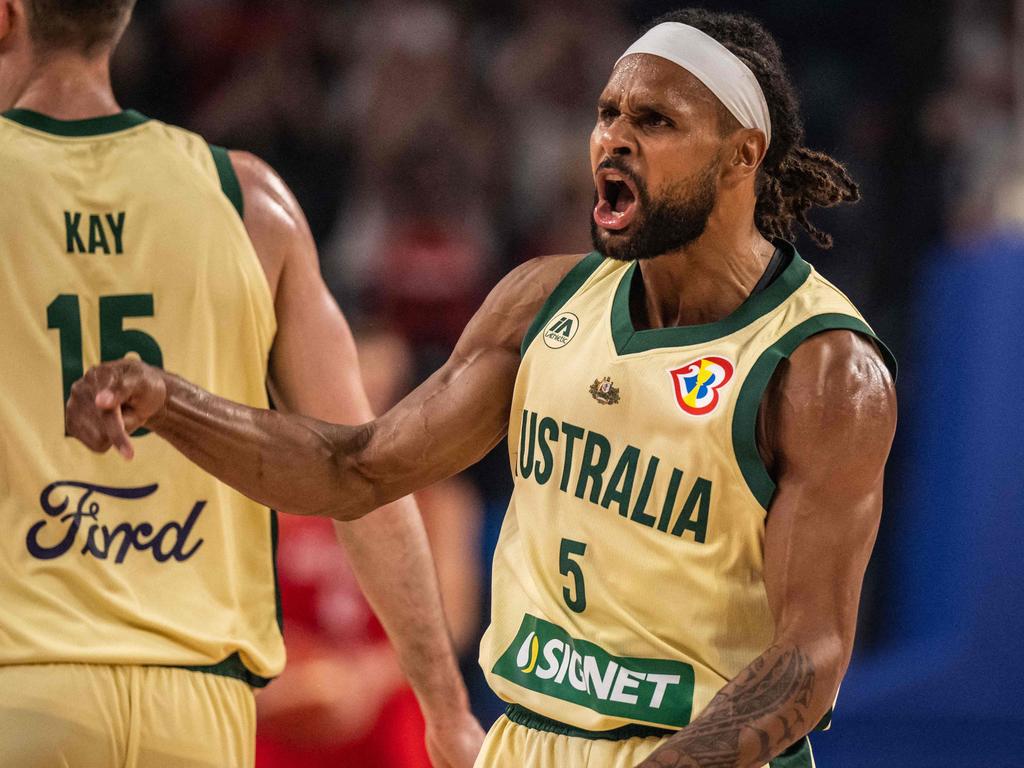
<point x="575" y="598"/>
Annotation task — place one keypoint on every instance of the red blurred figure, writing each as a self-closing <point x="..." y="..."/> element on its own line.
<point x="343" y="700"/>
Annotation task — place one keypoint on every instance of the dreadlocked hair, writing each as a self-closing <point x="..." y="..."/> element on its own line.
<point x="792" y="178"/>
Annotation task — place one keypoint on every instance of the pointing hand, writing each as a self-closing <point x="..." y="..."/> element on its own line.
<point x="111" y="401"/>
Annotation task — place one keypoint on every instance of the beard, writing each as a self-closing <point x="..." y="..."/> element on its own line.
<point x="673" y="221"/>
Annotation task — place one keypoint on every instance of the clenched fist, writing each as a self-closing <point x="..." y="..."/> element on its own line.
<point x="111" y="401"/>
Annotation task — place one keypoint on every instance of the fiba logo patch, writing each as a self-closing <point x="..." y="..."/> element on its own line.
<point x="697" y="384"/>
<point x="560" y="332"/>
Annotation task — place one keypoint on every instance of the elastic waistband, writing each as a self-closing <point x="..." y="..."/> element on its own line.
<point x="232" y="666"/>
<point x="528" y="719"/>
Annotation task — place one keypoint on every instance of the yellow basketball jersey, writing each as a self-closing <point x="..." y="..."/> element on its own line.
<point x="628" y="584"/>
<point x="122" y="236"/>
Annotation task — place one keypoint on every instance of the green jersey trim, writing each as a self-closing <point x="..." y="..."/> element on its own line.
<point x="744" y="424"/>
<point x="572" y="282"/>
<point x="273" y="560"/>
<point x="528" y="719"/>
<point x="628" y="340"/>
<point x="93" y="126"/>
<point x="797" y="756"/>
<point x="228" y="178"/>
<point x="233" y="667"/>
<point x="274" y="537"/>
<point x="826" y="721"/>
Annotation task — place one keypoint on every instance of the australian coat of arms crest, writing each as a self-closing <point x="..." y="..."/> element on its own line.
<point x="604" y="391"/>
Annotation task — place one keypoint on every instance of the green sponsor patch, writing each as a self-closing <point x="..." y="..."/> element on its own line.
<point x="544" y="658"/>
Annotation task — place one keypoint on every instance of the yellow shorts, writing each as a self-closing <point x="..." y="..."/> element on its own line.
<point x="95" y="716"/>
<point x="520" y="739"/>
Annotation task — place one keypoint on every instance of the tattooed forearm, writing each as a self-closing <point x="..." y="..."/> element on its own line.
<point x="764" y="710"/>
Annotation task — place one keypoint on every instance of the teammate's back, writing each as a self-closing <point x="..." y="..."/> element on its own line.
<point x="140" y="599"/>
<point x="122" y="238"/>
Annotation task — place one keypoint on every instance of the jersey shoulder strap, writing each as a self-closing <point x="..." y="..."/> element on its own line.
<point x="569" y="285"/>
<point x="744" y="424"/>
<point x="228" y="178"/>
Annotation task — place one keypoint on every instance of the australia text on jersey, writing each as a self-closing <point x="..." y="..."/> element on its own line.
<point x="545" y="444"/>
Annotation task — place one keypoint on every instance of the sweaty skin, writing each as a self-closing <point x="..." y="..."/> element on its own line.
<point x="825" y="425"/>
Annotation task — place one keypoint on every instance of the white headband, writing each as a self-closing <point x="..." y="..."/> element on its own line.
<point x="714" y="65"/>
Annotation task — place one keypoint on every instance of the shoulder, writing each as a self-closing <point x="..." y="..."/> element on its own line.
<point x="272" y="216"/>
<point x="264" y="190"/>
<point x="838" y="370"/>
<point x="834" y="397"/>
<point x="539" y="276"/>
<point x="515" y="301"/>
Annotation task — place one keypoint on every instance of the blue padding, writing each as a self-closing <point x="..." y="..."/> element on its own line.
<point x="946" y="689"/>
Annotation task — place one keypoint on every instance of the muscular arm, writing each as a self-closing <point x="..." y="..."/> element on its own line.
<point x="308" y="466"/>
<point x="826" y="430"/>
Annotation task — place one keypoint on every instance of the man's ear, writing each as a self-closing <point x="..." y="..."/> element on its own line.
<point x="6" y="16"/>
<point x="12" y="13"/>
<point x="748" y="148"/>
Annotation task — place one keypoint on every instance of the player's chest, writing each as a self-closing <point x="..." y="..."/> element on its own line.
<point x="663" y="398"/>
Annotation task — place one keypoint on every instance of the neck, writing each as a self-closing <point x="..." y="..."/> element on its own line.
<point x="703" y="282"/>
<point x="68" y="86"/>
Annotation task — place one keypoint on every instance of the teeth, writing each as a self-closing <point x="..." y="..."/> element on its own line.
<point x="613" y="177"/>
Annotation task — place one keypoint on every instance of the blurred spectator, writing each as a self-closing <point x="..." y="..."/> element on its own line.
<point x="429" y="268"/>
<point x="413" y="229"/>
<point x="975" y="119"/>
<point x="551" y="65"/>
<point x="342" y="699"/>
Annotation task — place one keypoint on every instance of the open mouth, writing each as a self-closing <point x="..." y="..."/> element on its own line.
<point x="616" y="199"/>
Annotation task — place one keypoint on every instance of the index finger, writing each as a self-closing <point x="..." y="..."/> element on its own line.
<point x="113" y="423"/>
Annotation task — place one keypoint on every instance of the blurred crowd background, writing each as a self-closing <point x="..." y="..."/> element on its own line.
<point x="435" y="144"/>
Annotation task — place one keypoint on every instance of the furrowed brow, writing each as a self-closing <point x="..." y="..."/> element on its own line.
<point x="647" y="107"/>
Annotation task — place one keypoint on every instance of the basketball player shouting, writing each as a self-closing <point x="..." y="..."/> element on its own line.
<point x="139" y="601"/>
<point x="697" y="422"/>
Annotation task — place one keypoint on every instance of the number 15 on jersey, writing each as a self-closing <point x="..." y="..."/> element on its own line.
<point x="64" y="315"/>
